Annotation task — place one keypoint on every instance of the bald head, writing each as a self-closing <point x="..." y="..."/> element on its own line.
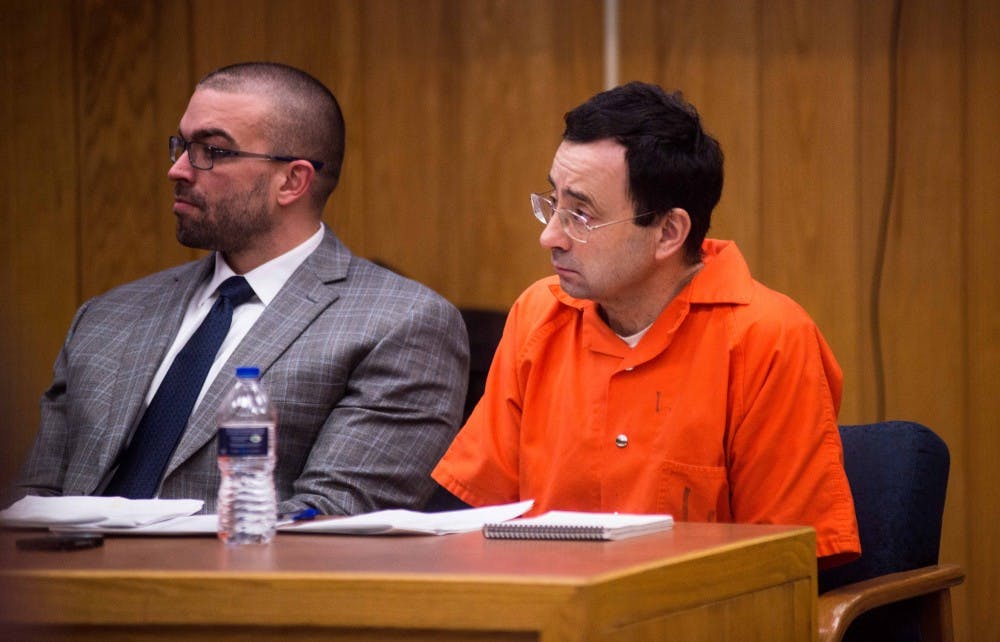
<point x="304" y="120"/>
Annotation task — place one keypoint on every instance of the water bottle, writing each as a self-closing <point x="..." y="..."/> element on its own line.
<point x="246" y="441"/>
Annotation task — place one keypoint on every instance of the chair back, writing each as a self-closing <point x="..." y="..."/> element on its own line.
<point x="485" y="329"/>
<point x="898" y="473"/>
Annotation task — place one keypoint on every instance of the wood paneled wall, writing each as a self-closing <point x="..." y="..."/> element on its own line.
<point x="859" y="142"/>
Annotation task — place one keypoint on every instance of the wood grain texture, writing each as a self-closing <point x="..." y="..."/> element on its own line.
<point x="710" y="51"/>
<point x="458" y="583"/>
<point x="38" y="223"/>
<point x="809" y="147"/>
<point x="463" y="107"/>
<point x="923" y="263"/>
<point x="981" y="294"/>
<point x="525" y="65"/>
<point x="411" y="179"/>
<point x="876" y="134"/>
<point x="922" y="307"/>
<point x="133" y="80"/>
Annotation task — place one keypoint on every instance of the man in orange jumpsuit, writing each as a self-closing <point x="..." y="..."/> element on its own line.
<point x="652" y="373"/>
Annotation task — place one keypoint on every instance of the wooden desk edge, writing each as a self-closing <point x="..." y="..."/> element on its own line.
<point x="391" y="600"/>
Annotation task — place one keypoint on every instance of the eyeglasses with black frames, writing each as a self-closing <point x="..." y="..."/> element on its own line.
<point x="574" y="223"/>
<point x="203" y="155"/>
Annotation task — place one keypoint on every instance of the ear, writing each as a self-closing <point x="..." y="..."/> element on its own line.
<point x="674" y="229"/>
<point x="295" y="182"/>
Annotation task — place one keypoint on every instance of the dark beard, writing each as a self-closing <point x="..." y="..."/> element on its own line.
<point x="230" y="225"/>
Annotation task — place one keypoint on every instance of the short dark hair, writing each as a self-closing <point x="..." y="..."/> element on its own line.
<point x="672" y="162"/>
<point x="306" y="117"/>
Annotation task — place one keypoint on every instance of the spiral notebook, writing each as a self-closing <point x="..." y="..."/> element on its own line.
<point x="571" y="525"/>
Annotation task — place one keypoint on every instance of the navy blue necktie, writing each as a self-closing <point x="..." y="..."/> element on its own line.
<point x="156" y="437"/>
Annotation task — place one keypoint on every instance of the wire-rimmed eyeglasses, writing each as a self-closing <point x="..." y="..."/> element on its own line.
<point x="573" y="223"/>
<point x="203" y="155"/>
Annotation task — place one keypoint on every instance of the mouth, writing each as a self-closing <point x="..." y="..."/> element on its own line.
<point x="562" y="270"/>
<point x="184" y="202"/>
<point x="183" y="207"/>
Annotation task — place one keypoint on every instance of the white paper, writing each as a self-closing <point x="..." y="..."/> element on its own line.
<point x="186" y="525"/>
<point x="104" y="512"/>
<point x="407" y="522"/>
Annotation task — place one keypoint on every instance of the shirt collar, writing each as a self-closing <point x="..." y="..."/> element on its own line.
<point x="725" y="277"/>
<point x="266" y="279"/>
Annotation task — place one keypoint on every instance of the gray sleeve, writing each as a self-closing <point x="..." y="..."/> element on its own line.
<point x="401" y="408"/>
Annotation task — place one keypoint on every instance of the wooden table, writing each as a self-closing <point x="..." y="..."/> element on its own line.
<point x="696" y="582"/>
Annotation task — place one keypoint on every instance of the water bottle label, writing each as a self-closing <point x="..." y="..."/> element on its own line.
<point x="243" y="441"/>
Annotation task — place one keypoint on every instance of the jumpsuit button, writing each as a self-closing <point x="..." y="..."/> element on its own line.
<point x="621" y="440"/>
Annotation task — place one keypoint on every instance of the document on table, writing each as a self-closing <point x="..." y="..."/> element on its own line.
<point x="185" y="525"/>
<point x="385" y="522"/>
<point x="408" y="522"/>
<point x="88" y="512"/>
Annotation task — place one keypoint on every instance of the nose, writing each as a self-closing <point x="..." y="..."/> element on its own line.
<point x="181" y="169"/>
<point x="553" y="235"/>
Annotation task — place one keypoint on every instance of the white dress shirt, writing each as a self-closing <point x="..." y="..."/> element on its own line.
<point x="266" y="280"/>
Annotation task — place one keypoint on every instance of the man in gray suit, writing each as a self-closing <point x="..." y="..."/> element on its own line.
<point x="367" y="369"/>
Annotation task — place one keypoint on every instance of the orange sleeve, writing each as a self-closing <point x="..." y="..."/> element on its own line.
<point x="481" y="465"/>
<point x="786" y="460"/>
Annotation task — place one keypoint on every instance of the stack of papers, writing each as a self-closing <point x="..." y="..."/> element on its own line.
<point x="88" y="512"/>
<point x="408" y="522"/>
<point x="115" y="515"/>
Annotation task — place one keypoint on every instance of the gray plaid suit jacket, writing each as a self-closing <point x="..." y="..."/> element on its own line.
<point x="367" y="369"/>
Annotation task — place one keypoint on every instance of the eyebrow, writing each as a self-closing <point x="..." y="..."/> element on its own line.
<point x="580" y="196"/>
<point x="209" y="132"/>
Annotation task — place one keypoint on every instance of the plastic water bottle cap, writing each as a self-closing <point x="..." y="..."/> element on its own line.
<point x="247" y="372"/>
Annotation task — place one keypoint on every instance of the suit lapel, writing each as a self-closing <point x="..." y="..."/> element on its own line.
<point x="151" y="335"/>
<point x="305" y="295"/>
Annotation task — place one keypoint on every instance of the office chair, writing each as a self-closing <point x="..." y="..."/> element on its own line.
<point x="896" y="591"/>
<point x="485" y="328"/>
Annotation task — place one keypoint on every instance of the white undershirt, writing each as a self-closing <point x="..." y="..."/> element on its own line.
<point x="633" y="339"/>
<point x="266" y="280"/>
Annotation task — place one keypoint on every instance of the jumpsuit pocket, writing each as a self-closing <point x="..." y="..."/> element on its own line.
<point x="694" y="493"/>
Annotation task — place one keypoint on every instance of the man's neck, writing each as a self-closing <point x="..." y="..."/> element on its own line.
<point x="269" y="248"/>
<point x="627" y="317"/>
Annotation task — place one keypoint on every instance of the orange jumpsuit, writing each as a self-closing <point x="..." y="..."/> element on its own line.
<point x="725" y="411"/>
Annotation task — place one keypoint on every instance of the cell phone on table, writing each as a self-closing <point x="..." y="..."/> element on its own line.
<point x="61" y="542"/>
